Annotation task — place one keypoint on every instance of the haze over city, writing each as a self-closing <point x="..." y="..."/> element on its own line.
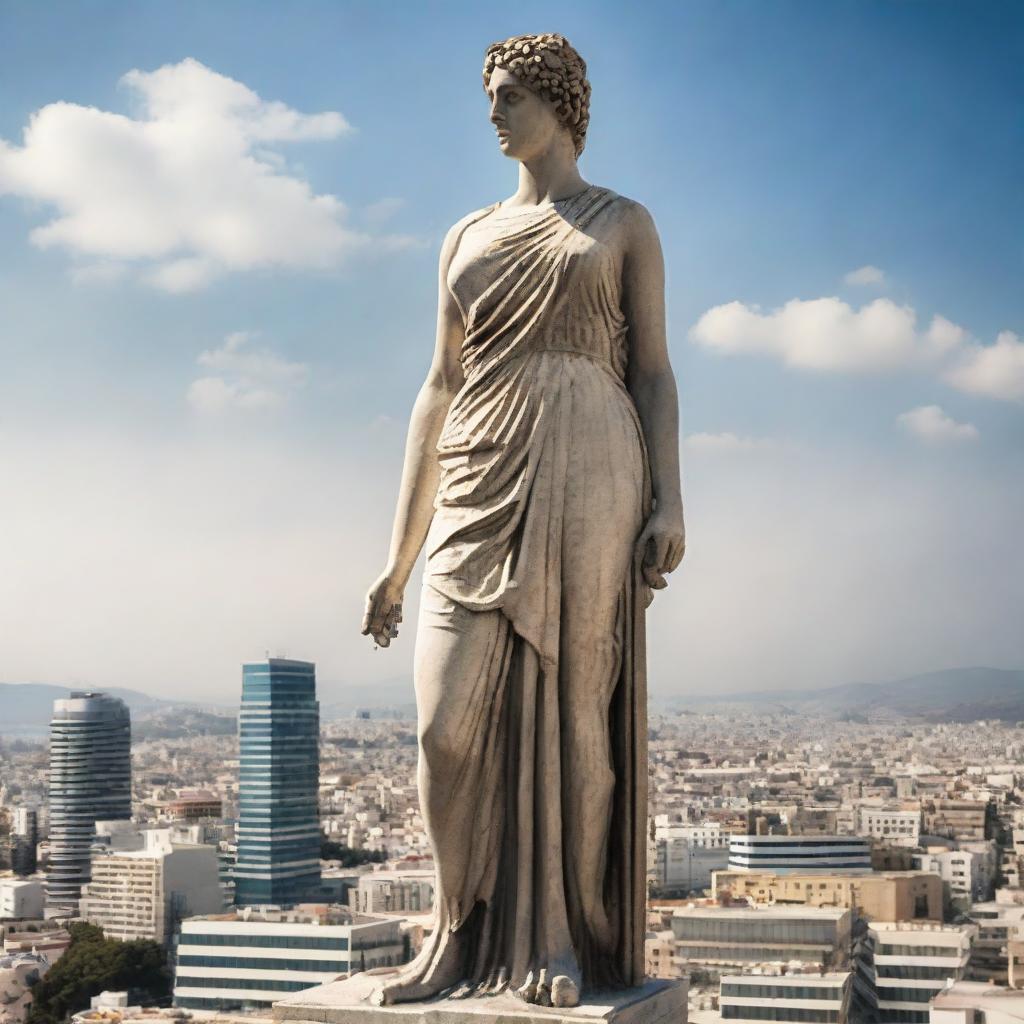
<point x="201" y="423"/>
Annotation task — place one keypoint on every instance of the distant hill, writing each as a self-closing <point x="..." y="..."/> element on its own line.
<point x="29" y="706"/>
<point x="949" y="695"/>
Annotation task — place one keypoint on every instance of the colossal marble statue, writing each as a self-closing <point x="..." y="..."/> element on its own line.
<point x="541" y="472"/>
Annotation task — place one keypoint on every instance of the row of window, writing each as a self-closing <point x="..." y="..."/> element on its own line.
<point x="732" y="988"/>
<point x="903" y="1016"/>
<point x="755" y="952"/>
<point x="266" y="941"/>
<point x="256" y="984"/>
<point x="902" y="994"/>
<point x="887" y="949"/>
<point x="790" y="1013"/>
<point x="213" y="1003"/>
<point x="908" y="972"/>
<point x="265" y="963"/>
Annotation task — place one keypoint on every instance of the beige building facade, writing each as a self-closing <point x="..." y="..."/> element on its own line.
<point x="892" y="896"/>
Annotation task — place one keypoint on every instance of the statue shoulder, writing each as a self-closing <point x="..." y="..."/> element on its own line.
<point x="451" y="239"/>
<point x="635" y="219"/>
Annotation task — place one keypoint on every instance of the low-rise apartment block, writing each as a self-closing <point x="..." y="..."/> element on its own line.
<point x="247" y="959"/>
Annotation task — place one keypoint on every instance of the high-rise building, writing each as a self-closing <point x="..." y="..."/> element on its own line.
<point x="90" y="781"/>
<point x="24" y="840"/>
<point x="279" y="774"/>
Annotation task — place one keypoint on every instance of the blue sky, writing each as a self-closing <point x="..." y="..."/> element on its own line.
<point x="217" y="288"/>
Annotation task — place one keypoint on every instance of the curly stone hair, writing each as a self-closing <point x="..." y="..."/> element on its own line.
<point x="548" y="65"/>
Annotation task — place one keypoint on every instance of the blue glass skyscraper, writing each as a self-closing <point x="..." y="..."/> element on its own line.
<point x="279" y="776"/>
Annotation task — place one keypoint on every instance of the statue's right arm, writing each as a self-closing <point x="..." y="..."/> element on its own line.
<point x="421" y="472"/>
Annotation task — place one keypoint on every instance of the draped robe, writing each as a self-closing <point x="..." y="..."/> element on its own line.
<point x="544" y="487"/>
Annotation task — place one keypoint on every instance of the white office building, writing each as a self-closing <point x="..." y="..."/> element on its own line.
<point x="895" y="826"/>
<point x="804" y="998"/>
<point x="706" y="833"/>
<point x="681" y="864"/>
<point x="969" y="871"/>
<point x="247" y="959"/>
<point x="783" y="854"/>
<point x="20" y="899"/>
<point x="142" y="893"/>
<point x="393" y="892"/>
<point x="913" y="962"/>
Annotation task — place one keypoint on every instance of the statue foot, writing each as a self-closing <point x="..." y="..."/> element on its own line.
<point x="541" y="990"/>
<point x="417" y="983"/>
<point x="528" y="990"/>
<point x="564" y="992"/>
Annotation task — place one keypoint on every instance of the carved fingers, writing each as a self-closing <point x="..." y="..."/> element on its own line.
<point x="660" y="548"/>
<point x="383" y="612"/>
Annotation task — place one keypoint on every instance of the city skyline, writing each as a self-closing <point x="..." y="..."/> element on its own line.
<point x="209" y="361"/>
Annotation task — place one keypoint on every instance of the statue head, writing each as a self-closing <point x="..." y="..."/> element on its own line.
<point x="538" y="86"/>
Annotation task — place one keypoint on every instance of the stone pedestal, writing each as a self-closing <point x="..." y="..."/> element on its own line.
<point x="347" y="1002"/>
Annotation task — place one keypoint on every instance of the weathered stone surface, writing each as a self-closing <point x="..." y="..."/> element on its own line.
<point x="347" y="1002"/>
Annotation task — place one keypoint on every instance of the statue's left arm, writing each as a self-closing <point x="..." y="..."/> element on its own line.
<point x="652" y="384"/>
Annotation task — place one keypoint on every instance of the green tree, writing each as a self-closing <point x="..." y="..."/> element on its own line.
<point x="93" y="964"/>
<point x="331" y="850"/>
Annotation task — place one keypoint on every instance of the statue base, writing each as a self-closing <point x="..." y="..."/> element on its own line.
<point x="348" y="1002"/>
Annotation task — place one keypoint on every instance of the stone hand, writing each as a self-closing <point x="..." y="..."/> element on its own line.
<point x="383" y="610"/>
<point x="661" y="546"/>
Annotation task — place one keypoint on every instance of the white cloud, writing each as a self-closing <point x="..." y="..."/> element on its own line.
<point x="725" y="443"/>
<point x="931" y="423"/>
<point x="247" y="378"/>
<point x="189" y="188"/>
<point x="995" y="371"/>
<point x="824" y="334"/>
<point x="865" y="276"/>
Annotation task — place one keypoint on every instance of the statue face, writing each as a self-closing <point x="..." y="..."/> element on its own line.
<point x="526" y="123"/>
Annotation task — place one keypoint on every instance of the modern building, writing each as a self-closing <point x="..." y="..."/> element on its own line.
<point x="969" y="871"/>
<point x="799" y="853"/>
<point x="877" y="896"/>
<point x="20" y="899"/>
<point x="999" y="925"/>
<point x="912" y="963"/>
<point x="680" y="863"/>
<point x="144" y="893"/>
<point x="899" y="826"/>
<point x="723" y="940"/>
<point x="393" y="892"/>
<point x="823" y="998"/>
<point x="248" y="959"/>
<point x="90" y="781"/>
<point x="279" y="775"/>
<point x="24" y="841"/>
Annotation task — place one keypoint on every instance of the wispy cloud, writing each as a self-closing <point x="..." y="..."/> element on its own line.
<point x="865" y="277"/>
<point x="726" y="443"/>
<point x="931" y="423"/>
<point x="190" y="189"/>
<point x="245" y="378"/>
